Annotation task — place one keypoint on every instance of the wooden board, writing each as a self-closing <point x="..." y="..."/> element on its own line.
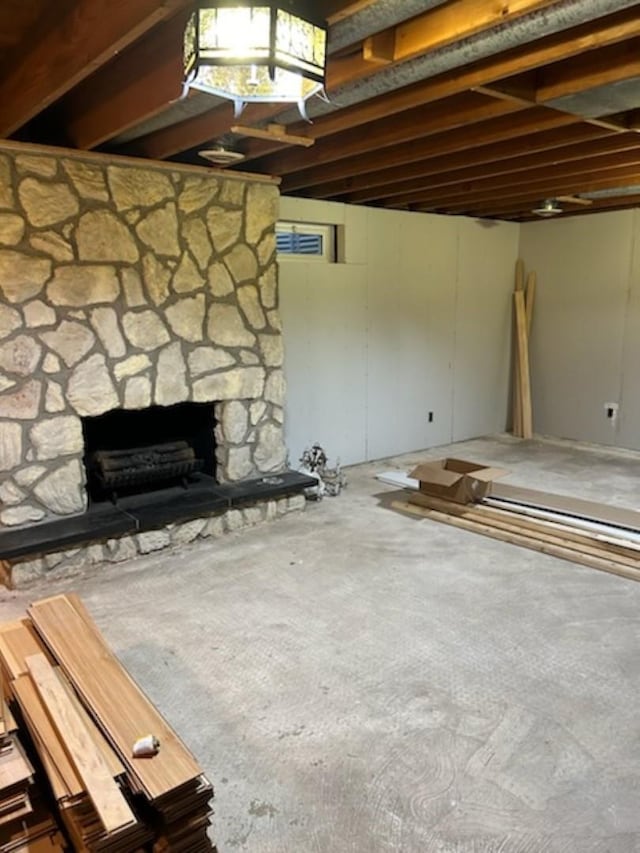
<point x="120" y="708"/>
<point x="517" y="396"/>
<point x="604" y="565"/>
<point x="5" y="574"/>
<point x="106" y="796"/>
<point x="15" y="769"/>
<point x="553" y="534"/>
<point x="530" y="299"/>
<point x="524" y="378"/>
<point x="600" y="513"/>
<point x="9" y="720"/>
<point x="64" y="779"/>
<point x="18" y="641"/>
<point x="35" y="832"/>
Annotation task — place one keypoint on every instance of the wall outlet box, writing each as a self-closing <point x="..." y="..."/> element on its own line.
<point x="611" y="411"/>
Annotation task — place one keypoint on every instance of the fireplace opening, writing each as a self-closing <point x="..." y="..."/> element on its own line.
<point x="135" y="452"/>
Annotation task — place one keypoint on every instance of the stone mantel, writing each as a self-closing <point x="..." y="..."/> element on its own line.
<point x="127" y="283"/>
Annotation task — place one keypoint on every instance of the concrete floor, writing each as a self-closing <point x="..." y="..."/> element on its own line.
<point x="355" y="680"/>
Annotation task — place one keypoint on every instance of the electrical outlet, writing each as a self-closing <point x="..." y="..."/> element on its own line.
<point x="611" y="411"/>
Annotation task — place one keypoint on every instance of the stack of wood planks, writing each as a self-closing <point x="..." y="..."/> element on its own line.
<point x="26" y="824"/>
<point x="83" y="713"/>
<point x="608" y="548"/>
<point x="523" y="301"/>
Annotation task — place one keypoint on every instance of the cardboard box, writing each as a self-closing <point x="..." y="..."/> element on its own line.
<point x="456" y="479"/>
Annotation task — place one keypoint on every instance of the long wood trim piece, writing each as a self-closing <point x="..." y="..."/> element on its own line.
<point x="524" y="376"/>
<point x="63" y="777"/>
<point x="517" y="392"/>
<point x="600" y="513"/>
<point x="119" y="706"/>
<point x="106" y="796"/>
<point x="583" y="541"/>
<point x="603" y="565"/>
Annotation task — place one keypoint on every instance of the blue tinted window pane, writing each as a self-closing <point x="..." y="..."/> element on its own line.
<point x="290" y="243"/>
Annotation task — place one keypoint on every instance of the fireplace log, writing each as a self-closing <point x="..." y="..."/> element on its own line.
<point x="144" y="466"/>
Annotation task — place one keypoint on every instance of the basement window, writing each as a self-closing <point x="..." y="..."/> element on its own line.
<point x="307" y="242"/>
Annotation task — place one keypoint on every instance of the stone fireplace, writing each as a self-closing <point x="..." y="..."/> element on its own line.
<point x="125" y="286"/>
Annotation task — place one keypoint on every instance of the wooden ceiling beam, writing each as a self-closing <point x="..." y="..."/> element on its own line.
<point x="338" y="10"/>
<point x="75" y="46"/>
<point x="504" y="185"/>
<point x="463" y="110"/>
<point x="498" y="152"/>
<point x="599" y="205"/>
<point x="436" y="28"/>
<point x="607" y="146"/>
<point x="575" y="184"/>
<point x="525" y="59"/>
<point x="611" y="64"/>
<point x="200" y="129"/>
<point x="522" y="211"/>
<point x="514" y="69"/>
<point x="138" y="84"/>
<point x="512" y="126"/>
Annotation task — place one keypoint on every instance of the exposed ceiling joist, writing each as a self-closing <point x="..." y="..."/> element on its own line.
<point x="200" y="129"/>
<point x="594" y="69"/>
<point x="483" y="133"/>
<point x="608" y="31"/>
<point x="546" y="143"/>
<point x="76" y="44"/>
<point x="459" y="106"/>
<point x="451" y="22"/>
<point x="608" y="146"/>
<point x="139" y="83"/>
<point x="514" y="198"/>
<point x="514" y="183"/>
<point x="338" y="10"/>
<point x="462" y="110"/>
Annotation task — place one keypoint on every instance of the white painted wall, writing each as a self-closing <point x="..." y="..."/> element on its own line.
<point x="585" y="343"/>
<point x="415" y="318"/>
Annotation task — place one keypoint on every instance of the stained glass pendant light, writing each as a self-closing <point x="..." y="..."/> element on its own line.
<point x="256" y="52"/>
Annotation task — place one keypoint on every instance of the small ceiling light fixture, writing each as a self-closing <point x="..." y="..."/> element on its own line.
<point x="548" y="208"/>
<point x="267" y="51"/>
<point x="221" y="156"/>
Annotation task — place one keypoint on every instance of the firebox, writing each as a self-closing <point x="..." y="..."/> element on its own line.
<point x="133" y="452"/>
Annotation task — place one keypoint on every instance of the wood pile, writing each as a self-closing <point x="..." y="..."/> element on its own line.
<point x="613" y="551"/>
<point x="26" y="824"/>
<point x="81" y="713"/>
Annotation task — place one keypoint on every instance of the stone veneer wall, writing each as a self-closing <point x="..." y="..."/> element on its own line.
<point x="125" y="284"/>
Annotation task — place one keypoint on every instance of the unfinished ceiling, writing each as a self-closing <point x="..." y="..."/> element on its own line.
<point x="459" y="107"/>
